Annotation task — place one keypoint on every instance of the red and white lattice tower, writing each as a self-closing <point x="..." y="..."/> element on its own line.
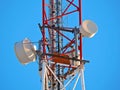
<point x="60" y="49"/>
<point x="61" y="52"/>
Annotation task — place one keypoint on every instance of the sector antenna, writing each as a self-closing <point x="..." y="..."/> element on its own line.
<point x="61" y="63"/>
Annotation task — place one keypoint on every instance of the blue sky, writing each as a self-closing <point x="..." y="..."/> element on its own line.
<point x="19" y="19"/>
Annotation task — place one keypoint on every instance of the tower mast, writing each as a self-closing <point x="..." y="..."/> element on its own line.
<point x="55" y="28"/>
<point x="60" y="49"/>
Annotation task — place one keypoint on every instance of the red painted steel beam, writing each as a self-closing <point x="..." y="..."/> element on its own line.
<point x="70" y="12"/>
<point x="43" y="20"/>
<point x="70" y="43"/>
<point x="67" y="7"/>
<point x="80" y="22"/>
<point x="72" y="3"/>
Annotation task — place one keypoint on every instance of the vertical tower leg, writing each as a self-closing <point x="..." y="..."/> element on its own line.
<point x="82" y="79"/>
<point x="43" y="74"/>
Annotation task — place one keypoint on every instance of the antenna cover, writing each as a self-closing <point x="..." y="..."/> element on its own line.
<point x="25" y="51"/>
<point x="88" y="28"/>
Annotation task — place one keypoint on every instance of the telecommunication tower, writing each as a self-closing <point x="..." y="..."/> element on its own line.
<point x="60" y="49"/>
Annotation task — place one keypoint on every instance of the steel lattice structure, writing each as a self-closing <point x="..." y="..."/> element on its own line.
<point x="60" y="49"/>
<point x="56" y="56"/>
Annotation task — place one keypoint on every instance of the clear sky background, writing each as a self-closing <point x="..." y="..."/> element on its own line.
<point x="19" y="19"/>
